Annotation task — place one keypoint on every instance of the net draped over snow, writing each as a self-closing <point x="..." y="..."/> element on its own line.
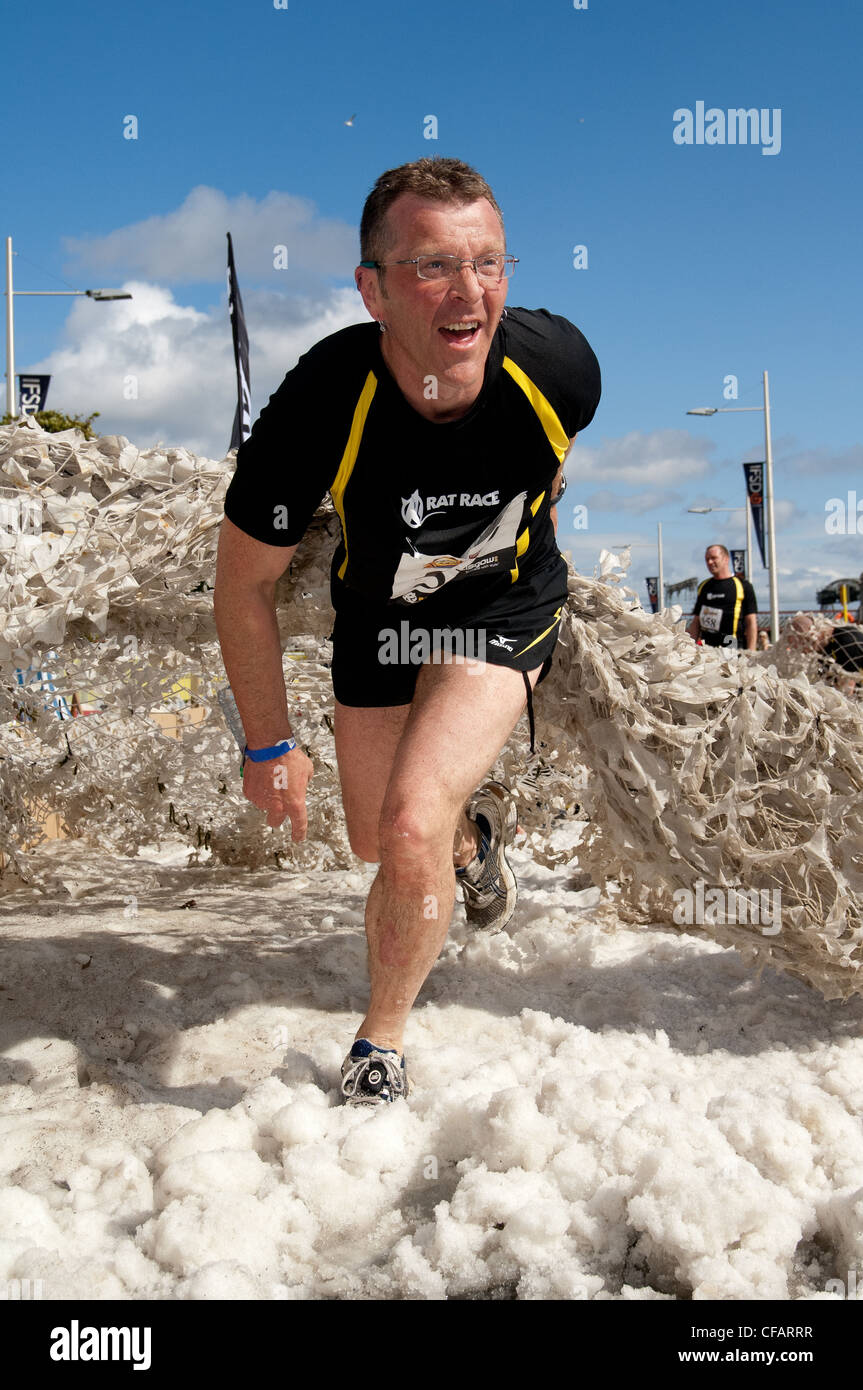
<point x="696" y="767"/>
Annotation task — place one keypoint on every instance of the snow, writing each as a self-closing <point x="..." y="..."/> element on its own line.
<point x="599" y="1111"/>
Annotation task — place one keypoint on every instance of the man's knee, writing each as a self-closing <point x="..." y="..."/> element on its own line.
<point x="414" y="832"/>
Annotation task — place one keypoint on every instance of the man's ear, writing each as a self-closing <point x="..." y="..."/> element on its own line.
<point x="367" y="282"/>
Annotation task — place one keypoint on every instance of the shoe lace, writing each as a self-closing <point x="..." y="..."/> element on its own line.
<point x="392" y="1068"/>
<point x="487" y="875"/>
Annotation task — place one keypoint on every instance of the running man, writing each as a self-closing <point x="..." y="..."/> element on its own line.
<point x="726" y="608"/>
<point x="440" y="432"/>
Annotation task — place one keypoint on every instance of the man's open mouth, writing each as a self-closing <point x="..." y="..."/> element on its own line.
<point x="464" y="331"/>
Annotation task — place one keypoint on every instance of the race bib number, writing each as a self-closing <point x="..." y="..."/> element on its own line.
<point x="419" y="575"/>
<point x="710" y="619"/>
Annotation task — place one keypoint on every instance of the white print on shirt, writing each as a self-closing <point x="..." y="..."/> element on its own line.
<point x="505" y="642"/>
<point x="419" y="575"/>
<point x="414" y="514"/>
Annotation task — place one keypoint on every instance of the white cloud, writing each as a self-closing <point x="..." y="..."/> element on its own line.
<point x="784" y="512"/>
<point x="189" y="245"/>
<point x="660" y="457"/>
<point x="798" y="586"/>
<point x="819" y="463"/>
<point x="182" y="360"/>
<point x="633" y="503"/>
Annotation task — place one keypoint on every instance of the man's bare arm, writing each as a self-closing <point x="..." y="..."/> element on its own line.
<point x="694" y="629"/>
<point x="555" y="487"/>
<point x="245" y="613"/>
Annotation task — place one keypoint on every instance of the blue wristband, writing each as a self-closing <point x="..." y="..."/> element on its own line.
<point x="266" y="755"/>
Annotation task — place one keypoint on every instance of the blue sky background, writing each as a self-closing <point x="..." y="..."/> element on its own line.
<point x="704" y="261"/>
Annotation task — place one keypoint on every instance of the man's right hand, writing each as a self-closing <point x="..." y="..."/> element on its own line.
<point x="279" y="788"/>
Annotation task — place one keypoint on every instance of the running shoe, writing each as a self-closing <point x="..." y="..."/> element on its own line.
<point x="373" y="1075"/>
<point x="488" y="883"/>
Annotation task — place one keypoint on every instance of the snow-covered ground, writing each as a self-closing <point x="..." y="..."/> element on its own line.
<point x="598" y="1111"/>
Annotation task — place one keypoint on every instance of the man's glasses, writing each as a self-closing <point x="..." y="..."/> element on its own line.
<point x="493" y="267"/>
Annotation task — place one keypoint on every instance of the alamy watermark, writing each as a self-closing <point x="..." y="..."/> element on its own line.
<point x="21" y="515"/>
<point x="77" y="1343"/>
<point x="736" y="126"/>
<point x="436" y="646"/>
<point x="844" y="517"/>
<point x="22" y="1290"/>
<point x="728" y="906"/>
<point x="844" y="1288"/>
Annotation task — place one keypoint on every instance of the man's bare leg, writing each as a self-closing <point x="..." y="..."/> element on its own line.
<point x="364" y="779"/>
<point x="367" y="740"/>
<point x="458" y="723"/>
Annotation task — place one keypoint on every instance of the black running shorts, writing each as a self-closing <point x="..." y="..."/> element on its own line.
<point x="378" y="650"/>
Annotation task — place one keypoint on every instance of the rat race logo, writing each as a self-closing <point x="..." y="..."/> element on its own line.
<point x="415" y="514"/>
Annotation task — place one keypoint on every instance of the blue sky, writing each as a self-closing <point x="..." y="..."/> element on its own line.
<point x="704" y="261"/>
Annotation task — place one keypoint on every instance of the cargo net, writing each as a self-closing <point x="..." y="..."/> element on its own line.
<point x="714" y="777"/>
<point x="704" y="779"/>
<point x="110" y="663"/>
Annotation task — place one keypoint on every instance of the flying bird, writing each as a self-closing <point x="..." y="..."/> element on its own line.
<point x="353" y="118"/>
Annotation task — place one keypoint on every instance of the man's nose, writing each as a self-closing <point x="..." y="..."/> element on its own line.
<point x="466" y="282"/>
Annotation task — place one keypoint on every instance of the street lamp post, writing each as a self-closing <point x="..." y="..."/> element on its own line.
<point x="100" y="295"/>
<point x="661" y="579"/>
<point x="768" y="493"/>
<point x="628" y="545"/>
<point x="771" y="530"/>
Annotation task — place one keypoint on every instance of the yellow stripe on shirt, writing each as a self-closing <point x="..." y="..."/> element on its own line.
<point x="523" y="541"/>
<point x="548" y="418"/>
<point x="349" y="458"/>
<point x="738" y="590"/>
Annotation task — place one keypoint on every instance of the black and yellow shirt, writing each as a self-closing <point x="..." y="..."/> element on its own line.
<point x="720" y="608"/>
<point x="422" y="506"/>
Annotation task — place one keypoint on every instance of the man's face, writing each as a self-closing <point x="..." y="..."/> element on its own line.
<point x="717" y="562"/>
<point x="420" y="314"/>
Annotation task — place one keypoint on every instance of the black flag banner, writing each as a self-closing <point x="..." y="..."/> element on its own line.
<point x="652" y="582"/>
<point x="243" y="416"/>
<point x="754" y="475"/>
<point x="32" y="393"/>
<point x="738" y="563"/>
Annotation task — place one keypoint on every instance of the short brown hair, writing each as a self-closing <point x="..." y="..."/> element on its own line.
<point x="716" y="546"/>
<point x="440" y="179"/>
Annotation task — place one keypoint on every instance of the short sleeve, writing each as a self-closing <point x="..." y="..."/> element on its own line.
<point x="289" y="461"/>
<point x="750" y="603"/>
<point x="559" y="359"/>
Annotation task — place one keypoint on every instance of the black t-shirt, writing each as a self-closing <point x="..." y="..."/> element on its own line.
<point x="846" y="648"/>
<point x="720" y="608"/>
<point x="421" y="505"/>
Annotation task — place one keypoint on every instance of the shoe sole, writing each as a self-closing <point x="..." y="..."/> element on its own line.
<point x="509" y="825"/>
